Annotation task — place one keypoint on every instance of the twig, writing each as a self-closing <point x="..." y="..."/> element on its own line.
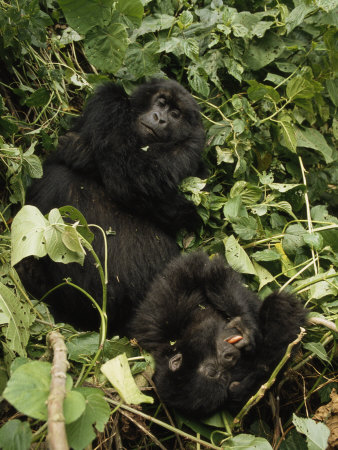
<point x="162" y="424"/>
<point x="57" y="437"/>
<point x="261" y="391"/>
<point x="324" y="322"/>
<point x="142" y="428"/>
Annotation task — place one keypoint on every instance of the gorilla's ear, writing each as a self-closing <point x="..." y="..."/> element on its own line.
<point x="175" y="362"/>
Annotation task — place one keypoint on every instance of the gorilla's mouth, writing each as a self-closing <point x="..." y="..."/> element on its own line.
<point x="149" y="130"/>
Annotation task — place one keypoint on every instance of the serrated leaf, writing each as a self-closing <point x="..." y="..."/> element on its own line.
<point x="15" y="435"/>
<point x="263" y="275"/>
<point x="39" y="97"/>
<point x="245" y="227"/>
<point x="142" y="61"/>
<point x="16" y="318"/>
<point x="185" y="19"/>
<point x="82" y="16"/>
<point x="117" y="371"/>
<point x="237" y="257"/>
<point x="105" y="47"/>
<point x="198" y="83"/>
<point x="266" y="255"/>
<point x="299" y="87"/>
<point x="263" y="52"/>
<point x="234" y="208"/>
<point x="317" y="434"/>
<point x="28" y="229"/>
<point x="131" y="11"/>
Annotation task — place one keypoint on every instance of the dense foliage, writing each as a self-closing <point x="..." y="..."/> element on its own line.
<point x="265" y="76"/>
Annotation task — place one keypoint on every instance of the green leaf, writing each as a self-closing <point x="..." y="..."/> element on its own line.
<point x="117" y="371"/>
<point x="33" y="165"/>
<point x="74" y="406"/>
<point x="15" y="318"/>
<point x="311" y="138"/>
<point x="288" y="134"/>
<point x="263" y="52"/>
<point x="266" y="255"/>
<point x="81" y="433"/>
<point x="15" y="435"/>
<point x="197" y="82"/>
<point x="153" y="23"/>
<point x="82" y="345"/>
<point x="105" y="47"/>
<point x="247" y="442"/>
<point x="192" y="184"/>
<point x="299" y="87"/>
<point x="39" y="97"/>
<point x="82" y="16"/>
<point x="258" y="91"/>
<point x="297" y="16"/>
<point x="316" y="434"/>
<point x="73" y="214"/>
<point x="287" y="266"/>
<point x="28" y="389"/>
<point x="142" y="61"/>
<point x="323" y="288"/>
<point x="234" y="208"/>
<point x="237" y="257"/>
<point x="263" y="275"/>
<point x="27" y="237"/>
<point x="131" y="11"/>
<point x="314" y="240"/>
<point x="245" y="227"/>
<point x="293" y="238"/>
<point x="191" y="48"/>
<point x="318" y="349"/>
<point x="185" y="19"/>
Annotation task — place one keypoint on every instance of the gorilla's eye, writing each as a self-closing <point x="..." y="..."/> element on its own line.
<point x="161" y="102"/>
<point x="175" y="113"/>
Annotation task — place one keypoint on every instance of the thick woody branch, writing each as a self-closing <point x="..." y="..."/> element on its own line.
<point x="57" y="437"/>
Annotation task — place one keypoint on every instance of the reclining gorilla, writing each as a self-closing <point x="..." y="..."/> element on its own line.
<point x="214" y="342"/>
<point x="121" y="166"/>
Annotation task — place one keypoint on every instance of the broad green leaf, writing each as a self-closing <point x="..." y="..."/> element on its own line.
<point x="131" y="11"/>
<point x="288" y="134"/>
<point x="311" y="138"/>
<point x="318" y="349"/>
<point x="105" y="47"/>
<point x="117" y="371"/>
<point x="192" y="184"/>
<point x="28" y="389"/>
<point x="69" y="212"/>
<point x="245" y="227"/>
<point x="81" y="433"/>
<point x="191" y="48"/>
<point x="33" y="165"/>
<point x="185" y="19"/>
<point x="280" y="187"/>
<point x="82" y="345"/>
<point x="316" y="434"/>
<point x="257" y="91"/>
<point x="327" y="5"/>
<point x="197" y="82"/>
<point x="247" y="442"/>
<point x="16" y="318"/>
<point x="237" y="257"/>
<point x="266" y="255"/>
<point x="84" y="15"/>
<point x="297" y="16"/>
<point x="314" y="240"/>
<point x="263" y="275"/>
<point x="56" y="248"/>
<point x="332" y="89"/>
<point x="294" y="441"/>
<point x="219" y="132"/>
<point x="28" y="229"/>
<point x="263" y="52"/>
<point x="299" y="87"/>
<point x="39" y="97"/>
<point x="142" y="61"/>
<point x="323" y="288"/>
<point x="225" y="156"/>
<point x="154" y="22"/>
<point x="15" y="435"/>
<point x="293" y="238"/>
<point x="73" y="406"/>
<point x="234" y="208"/>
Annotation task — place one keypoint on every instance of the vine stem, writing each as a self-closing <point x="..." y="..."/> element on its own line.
<point x="260" y="393"/>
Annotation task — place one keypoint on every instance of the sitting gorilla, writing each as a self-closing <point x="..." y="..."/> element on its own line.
<point x="121" y="166"/>
<point x="214" y="342"/>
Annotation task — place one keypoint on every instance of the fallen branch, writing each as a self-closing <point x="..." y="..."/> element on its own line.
<point x="57" y="438"/>
<point x="261" y="391"/>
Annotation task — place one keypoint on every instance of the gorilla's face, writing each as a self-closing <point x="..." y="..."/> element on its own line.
<point x="197" y="371"/>
<point x="165" y="113"/>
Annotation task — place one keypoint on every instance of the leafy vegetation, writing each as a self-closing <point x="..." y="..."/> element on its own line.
<point x="265" y="76"/>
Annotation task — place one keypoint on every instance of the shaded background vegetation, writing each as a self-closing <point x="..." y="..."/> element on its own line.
<point x="264" y="74"/>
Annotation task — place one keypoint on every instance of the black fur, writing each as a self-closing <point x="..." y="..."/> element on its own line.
<point x="121" y="165"/>
<point x="189" y="311"/>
